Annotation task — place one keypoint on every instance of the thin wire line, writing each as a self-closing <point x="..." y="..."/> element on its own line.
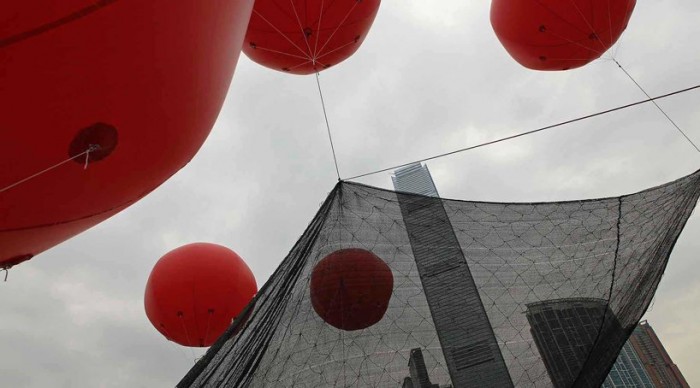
<point x="180" y="349"/>
<point x="562" y="37"/>
<point x="187" y="335"/>
<point x="650" y="99"/>
<point x="610" y="28"/>
<point x="281" y="33"/>
<point x="206" y="335"/>
<point x="590" y="26"/>
<point x="334" y="50"/>
<point x="657" y="105"/>
<point x="320" y="20"/>
<point x="328" y="127"/>
<point x="623" y="27"/>
<point x="317" y="54"/>
<point x="307" y="59"/>
<point x="87" y="151"/>
<point x="303" y="33"/>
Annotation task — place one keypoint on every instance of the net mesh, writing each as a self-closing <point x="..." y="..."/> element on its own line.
<point x="484" y="294"/>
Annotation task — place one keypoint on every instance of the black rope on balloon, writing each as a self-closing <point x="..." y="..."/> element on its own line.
<point x="560" y="124"/>
<point x="657" y="105"/>
<point x="328" y="127"/>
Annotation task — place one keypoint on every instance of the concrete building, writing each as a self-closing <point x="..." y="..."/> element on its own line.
<point x="658" y="364"/>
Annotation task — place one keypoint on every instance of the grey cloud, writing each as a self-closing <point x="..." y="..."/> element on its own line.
<point x="425" y="81"/>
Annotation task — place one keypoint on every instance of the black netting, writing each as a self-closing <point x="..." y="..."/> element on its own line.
<point x="484" y="294"/>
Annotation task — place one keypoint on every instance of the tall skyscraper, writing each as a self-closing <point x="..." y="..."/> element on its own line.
<point x="415" y="178"/>
<point x="658" y="364"/>
<point x="469" y="345"/>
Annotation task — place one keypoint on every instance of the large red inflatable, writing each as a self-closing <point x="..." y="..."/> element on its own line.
<point x="556" y="34"/>
<point x="138" y="83"/>
<point x="307" y="36"/>
<point x="351" y="288"/>
<point x="195" y="291"/>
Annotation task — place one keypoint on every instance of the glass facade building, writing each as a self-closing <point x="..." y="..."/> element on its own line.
<point x="415" y="178"/>
<point x="656" y="361"/>
<point x="628" y="371"/>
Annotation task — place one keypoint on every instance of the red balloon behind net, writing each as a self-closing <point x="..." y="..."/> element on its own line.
<point x="195" y="291"/>
<point x="556" y="34"/>
<point x="351" y="289"/>
<point x="307" y="36"/>
<point x="144" y="80"/>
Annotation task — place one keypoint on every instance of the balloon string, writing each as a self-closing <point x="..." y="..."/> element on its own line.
<point x="337" y="28"/>
<point x="169" y="337"/>
<point x="206" y="334"/>
<point x="92" y="147"/>
<point x="328" y="127"/>
<point x="181" y="315"/>
<point x="588" y="23"/>
<point x="303" y="33"/>
<point x="560" y="124"/>
<point x="281" y="33"/>
<point x="657" y="106"/>
<point x="583" y="46"/>
<point x="320" y="19"/>
<point x="184" y="327"/>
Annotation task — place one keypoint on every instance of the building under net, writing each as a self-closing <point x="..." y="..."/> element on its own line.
<point x="628" y="371"/>
<point x="391" y="289"/>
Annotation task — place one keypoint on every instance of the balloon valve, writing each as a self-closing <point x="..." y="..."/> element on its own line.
<point x="91" y="148"/>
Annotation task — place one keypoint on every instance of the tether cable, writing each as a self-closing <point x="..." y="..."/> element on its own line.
<point x="657" y="105"/>
<point x="601" y="113"/>
<point x="91" y="148"/>
<point x="328" y="127"/>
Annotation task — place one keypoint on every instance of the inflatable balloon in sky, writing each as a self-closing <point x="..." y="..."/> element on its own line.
<point x="559" y="35"/>
<point x="195" y="291"/>
<point x="307" y="36"/>
<point x="102" y="101"/>
<point x="351" y="288"/>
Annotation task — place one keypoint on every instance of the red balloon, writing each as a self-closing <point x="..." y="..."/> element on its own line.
<point x="307" y="36"/>
<point x="195" y="291"/>
<point x="351" y="289"/>
<point x="141" y="81"/>
<point x="559" y="35"/>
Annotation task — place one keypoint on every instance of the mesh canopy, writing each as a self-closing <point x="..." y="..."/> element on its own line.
<point x="484" y="294"/>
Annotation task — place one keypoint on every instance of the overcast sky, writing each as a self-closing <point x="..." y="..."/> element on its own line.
<point x="431" y="77"/>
